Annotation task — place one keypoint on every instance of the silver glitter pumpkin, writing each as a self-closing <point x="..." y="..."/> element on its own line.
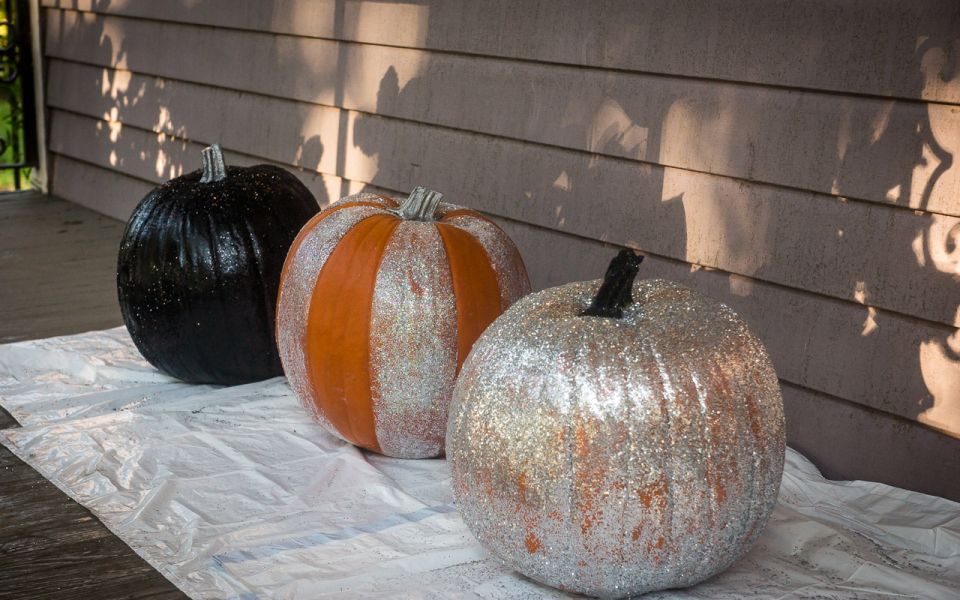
<point x="610" y="455"/>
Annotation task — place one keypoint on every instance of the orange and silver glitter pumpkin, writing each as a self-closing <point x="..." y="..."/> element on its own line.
<point x="618" y="441"/>
<point x="379" y="306"/>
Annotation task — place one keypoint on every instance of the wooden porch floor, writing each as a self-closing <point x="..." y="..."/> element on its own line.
<point x="57" y="269"/>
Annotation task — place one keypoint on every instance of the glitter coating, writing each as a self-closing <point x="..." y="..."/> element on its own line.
<point x="307" y="256"/>
<point x="613" y="457"/>
<point x="503" y="255"/>
<point x="413" y="341"/>
<point x="413" y="350"/>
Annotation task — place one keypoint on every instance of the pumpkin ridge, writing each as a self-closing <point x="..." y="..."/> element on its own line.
<point x="184" y="264"/>
<point x="747" y="421"/>
<point x="130" y="250"/>
<point x="338" y="329"/>
<point x="354" y="424"/>
<point x="512" y="274"/>
<point x="205" y="222"/>
<point x="131" y="246"/>
<point x="247" y="251"/>
<point x="413" y="346"/>
<point x="476" y="286"/>
<point x="666" y="393"/>
<point x="256" y="258"/>
<point x="304" y="232"/>
<point x="463" y="212"/>
<point x="625" y="492"/>
<point x="714" y="494"/>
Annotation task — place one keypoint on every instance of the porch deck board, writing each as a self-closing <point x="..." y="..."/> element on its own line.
<point x="57" y="264"/>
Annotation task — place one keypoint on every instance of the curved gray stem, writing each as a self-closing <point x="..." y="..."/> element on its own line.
<point x="420" y="205"/>
<point x="213" y="167"/>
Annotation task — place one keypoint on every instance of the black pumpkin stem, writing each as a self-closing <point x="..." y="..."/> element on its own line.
<point x="214" y="168"/>
<point x="420" y="205"/>
<point x="616" y="291"/>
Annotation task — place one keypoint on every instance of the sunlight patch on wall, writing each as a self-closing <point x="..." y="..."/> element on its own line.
<point x="940" y="68"/>
<point x="844" y="138"/>
<point x="117" y="85"/>
<point x="116" y="127"/>
<point x="405" y="24"/>
<point x="941" y="375"/>
<point x="860" y="294"/>
<point x="918" y="250"/>
<point x="943" y="244"/>
<point x="721" y="224"/>
<point x="922" y="173"/>
<point x="893" y="194"/>
<point x="870" y="324"/>
<point x="613" y="131"/>
<point x="880" y="121"/>
<point x="164" y="122"/>
<point x="694" y="128"/>
<point x="105" y="82"/>
<point x="291" y="51"/>
<point x="160" y="165"/>
<point x="352" y="73"/>
<point x="322" y="126"/>
<point x="111" y="37"/>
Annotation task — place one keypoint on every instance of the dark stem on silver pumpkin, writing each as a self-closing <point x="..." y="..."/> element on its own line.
<point x="420" y="205"/>
<point x="213" y="167"/>
<point x="616" y="291"/>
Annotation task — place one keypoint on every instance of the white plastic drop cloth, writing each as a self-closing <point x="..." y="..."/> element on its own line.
<point x="235" y="492"/>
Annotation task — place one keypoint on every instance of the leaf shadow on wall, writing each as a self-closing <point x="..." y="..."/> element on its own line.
<point x="929" y="252"/>
<point x="527" y="185"/>
<point x="152" y="128"/>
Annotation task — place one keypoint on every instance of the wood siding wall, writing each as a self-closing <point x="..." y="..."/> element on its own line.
<point x="797" y="160"/>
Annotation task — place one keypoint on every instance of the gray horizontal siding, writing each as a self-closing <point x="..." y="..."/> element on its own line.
<point x="820" y="203"/>
<point x="858" y="148"/>
<point x="795" y="238"/>
<point x="816" y="44"/>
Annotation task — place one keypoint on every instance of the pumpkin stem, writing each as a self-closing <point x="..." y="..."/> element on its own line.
<point x="213" y="166"/>
<point x="616" y="291"/>
<point x="420" y="205"/>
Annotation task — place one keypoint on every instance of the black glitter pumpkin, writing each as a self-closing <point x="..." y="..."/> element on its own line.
<point x="199" y="269"/>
